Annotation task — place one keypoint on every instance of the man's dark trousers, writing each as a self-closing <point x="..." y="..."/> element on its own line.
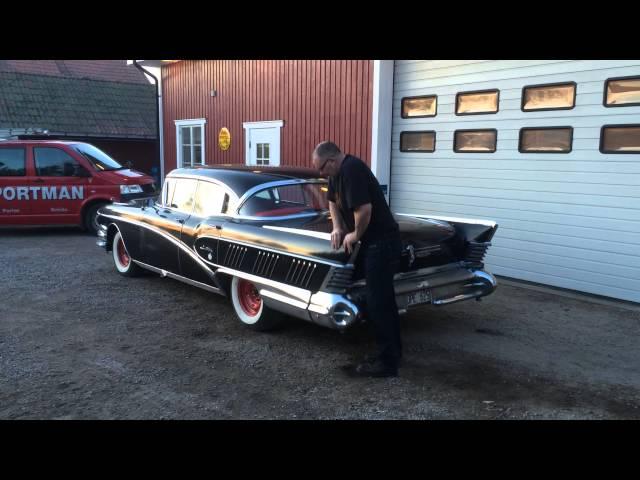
<point x="380" y="260"/>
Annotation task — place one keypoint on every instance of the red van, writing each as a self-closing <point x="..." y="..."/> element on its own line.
<point x="63" y="183"/>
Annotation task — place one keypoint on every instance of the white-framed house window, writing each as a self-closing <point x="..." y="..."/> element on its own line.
<point x="190" y="142"/>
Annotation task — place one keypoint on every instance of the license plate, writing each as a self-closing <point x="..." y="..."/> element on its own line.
<point x="416" y="298"/>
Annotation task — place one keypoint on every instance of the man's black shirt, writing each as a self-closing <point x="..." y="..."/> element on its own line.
<point x="355" y="185"/>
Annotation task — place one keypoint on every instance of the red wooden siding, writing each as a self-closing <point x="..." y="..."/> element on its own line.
<point x="317" y="100"/>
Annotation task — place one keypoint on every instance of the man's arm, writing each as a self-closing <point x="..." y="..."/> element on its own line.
<point x="362" y="217"/>
<point x="339" y="228"/>
<point x="336" y="218"/>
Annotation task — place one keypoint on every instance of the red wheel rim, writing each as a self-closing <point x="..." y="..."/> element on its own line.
<point x="249" y="297"/>
<point x="123" y="256"/>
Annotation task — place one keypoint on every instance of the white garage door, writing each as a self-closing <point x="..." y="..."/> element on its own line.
<point x="570" y="220"/>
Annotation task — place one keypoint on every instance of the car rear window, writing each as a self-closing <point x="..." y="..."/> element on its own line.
<point x="287" y="200"/>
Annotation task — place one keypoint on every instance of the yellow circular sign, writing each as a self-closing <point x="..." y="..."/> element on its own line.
<point x="224" y="139"/>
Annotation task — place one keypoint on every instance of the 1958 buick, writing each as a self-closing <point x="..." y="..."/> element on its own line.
<point x="262" y="237"/>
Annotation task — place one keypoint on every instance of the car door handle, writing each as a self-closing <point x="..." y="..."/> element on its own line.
<point x="39" y="180"/>
<point x="218" y="227"/>
<point x="181" y="221"/>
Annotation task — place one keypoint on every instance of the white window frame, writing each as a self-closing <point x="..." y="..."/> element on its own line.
<point x="248" y="126"/>
<point x="192" y="122"/>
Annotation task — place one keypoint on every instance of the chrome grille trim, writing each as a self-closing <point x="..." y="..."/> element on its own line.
<point x="265" y="264"/>
<point x="234" y="256"/>
<point x="300" y="272"/>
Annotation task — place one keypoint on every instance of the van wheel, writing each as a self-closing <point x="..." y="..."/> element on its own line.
<point x="250" y="308"/>
<point x="123" y="262"/>
<point x="91" y="218"/>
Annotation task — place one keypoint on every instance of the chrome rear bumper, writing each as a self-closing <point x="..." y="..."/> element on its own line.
<point x="449" y="284"/>
<point x="445" y="287"/>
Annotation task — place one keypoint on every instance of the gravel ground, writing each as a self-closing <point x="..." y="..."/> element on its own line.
<point x="78" y="341"/>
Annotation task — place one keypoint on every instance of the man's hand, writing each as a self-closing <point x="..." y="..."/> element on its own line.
<point x="336" y="238"/>
<point x="349" y="240"/>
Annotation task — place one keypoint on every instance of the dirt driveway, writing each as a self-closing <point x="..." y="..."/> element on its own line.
<point x="79" y="341"/>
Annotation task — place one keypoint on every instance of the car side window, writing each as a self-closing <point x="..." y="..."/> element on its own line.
<point x="183" y="196"/>
<point x="167" y="191"/>
<point x="55" y="162"/>
<point x="210" y="199"/>
<point x="12" y="162"/>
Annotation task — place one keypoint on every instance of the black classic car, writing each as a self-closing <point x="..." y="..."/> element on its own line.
<point x="262" y="237"/>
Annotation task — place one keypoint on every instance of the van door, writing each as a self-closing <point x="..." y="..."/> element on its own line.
<point x="15" y="206"/>
<point x="61" y="182"/>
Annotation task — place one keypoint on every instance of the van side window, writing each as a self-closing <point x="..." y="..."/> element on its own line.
<point x="209" y="199"/>
<point x="12" y="162"/>
<point x="184" y="194"/>
<point x="55" y="162"/>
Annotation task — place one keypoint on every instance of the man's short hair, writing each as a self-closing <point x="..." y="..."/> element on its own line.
<point x="327" y="149"/>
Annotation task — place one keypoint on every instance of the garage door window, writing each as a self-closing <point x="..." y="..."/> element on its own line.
<point x="419" y="107"/>
<point x="424" y="141"/>
<point x="476" y="103"/>
<point x="12" y="162"/>
<point x="622" y="92"/>
<point x="475" y="141"/>
<point x="620" y="139"/>
<point x="557" y="96"/>
<point x="545" y="140"/>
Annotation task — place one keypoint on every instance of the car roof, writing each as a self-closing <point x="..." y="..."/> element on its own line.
<point x="241" y="178"/>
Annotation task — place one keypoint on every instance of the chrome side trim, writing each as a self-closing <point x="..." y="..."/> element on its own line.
<point x="165" y="273"/>
<point x="281" y="298"/>
<point x="169" y="237"/>
<point x="282" y="217"/>
<point x="300" y="231"/>
<point x="284" y="306"/>
<point x="280" y="252"/>
<point x="294" y="292"/>
<point x="486" y="223"/>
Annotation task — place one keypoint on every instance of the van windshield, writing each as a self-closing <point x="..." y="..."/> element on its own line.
<point x="100" y="160"/>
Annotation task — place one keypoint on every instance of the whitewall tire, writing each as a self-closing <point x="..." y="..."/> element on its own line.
<point x="121" y="258"/>
<point x="250" y="309"/>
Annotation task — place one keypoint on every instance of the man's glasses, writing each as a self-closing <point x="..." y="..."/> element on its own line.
<point x="324" y="164"/>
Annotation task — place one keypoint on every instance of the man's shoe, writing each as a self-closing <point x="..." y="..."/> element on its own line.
<point x="374" y="357"/>
<point x="370" y="358"/>
<point x="374" y="369"/>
